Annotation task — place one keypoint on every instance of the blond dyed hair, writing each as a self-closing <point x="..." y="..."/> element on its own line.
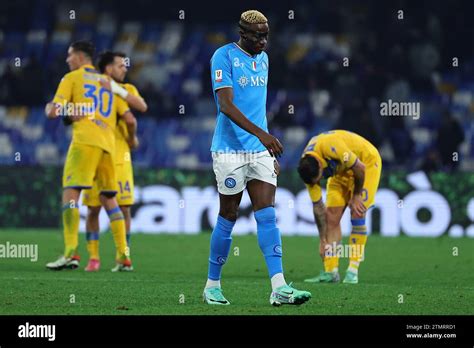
<point x="253" y="17"/>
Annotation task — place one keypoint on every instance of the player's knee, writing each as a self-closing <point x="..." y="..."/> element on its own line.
<point x="332" y="218"/>
<point x="93" y="212"/>
<point x="229" y="214"/>
<point x="125" y="211"/>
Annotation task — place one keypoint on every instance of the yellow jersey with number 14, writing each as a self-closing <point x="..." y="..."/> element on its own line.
<point x="100" y="107"/>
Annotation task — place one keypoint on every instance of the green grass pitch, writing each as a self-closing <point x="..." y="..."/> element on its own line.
<point x="171" y="270"/>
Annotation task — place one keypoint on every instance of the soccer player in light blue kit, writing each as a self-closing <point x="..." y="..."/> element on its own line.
<point x="244" y="155"/>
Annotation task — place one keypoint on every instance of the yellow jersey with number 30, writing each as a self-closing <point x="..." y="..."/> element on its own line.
<point x="82" y="87"/>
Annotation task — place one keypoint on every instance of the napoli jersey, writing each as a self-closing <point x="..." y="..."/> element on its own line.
<point x="248" y="77"/>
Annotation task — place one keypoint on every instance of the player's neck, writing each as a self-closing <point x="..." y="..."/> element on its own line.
<point x="87" y="63"/>
<point x="243" y="48"/>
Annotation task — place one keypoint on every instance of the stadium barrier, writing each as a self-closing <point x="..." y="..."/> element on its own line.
<point x="185" y="201"/>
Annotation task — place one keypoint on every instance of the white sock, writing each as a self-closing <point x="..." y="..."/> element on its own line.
<point x="278" y="280"/>
<point x="213" y="283"/>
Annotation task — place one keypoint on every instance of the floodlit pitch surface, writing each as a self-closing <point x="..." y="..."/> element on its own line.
<point x="399" y="276"/>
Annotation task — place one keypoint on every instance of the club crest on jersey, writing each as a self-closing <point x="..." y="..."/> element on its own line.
<point x="254" y="66"/>
<point x="218" y="77"/>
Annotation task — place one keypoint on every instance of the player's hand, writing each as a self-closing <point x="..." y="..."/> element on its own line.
<point x="50" y="110"/>
<point x="133" y="143"/>
<point x="356" y="205"/>
<point x="272" y="144"/>
<point x="105" y="83"/>
<point x="76" y="118"/>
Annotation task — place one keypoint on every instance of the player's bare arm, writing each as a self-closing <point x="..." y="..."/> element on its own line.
<point x="135" y="102"/>
<point x="225" y="97"/>
<point x="131" y="123"/>
<point x="51" y="111"/>
<point x="356" y="203"/>
<point x="319" y="211"/>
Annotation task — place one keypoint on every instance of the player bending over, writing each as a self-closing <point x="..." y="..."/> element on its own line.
<point x="112" y="64"/>
<point x="91" y="151"/>
<point x="353" y="166"/>
<point x="244" y="156"/>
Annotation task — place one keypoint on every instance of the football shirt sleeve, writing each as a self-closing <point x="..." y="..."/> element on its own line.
<point x="64" y="91"/>
<point x="221" y="70"/>
<point x="132" y="90"/>
<point x="315" y="192"/>
<point x="122" y="106"/>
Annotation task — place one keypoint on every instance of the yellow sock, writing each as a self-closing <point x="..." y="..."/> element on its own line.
<point x="117" y="225"/>
<point x="71" y="229"/>
<point x="93" y="245"/>
<point x="357" y="241"/>
<point x="331" y="260"/>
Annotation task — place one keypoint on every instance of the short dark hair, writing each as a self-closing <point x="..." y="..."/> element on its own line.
<point x="308" y="169"/>
<point x="106" y="58"/>
<point x="84" y="46"/>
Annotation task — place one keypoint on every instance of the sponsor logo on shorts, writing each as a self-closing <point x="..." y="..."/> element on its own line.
<point x="230" y="182"/>
<point x="277" y="249"/>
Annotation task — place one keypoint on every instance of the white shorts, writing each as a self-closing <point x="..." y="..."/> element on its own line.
<point x="234" y="170"/>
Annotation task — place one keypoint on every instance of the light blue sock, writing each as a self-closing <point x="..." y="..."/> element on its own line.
<point x="269" y="239"/>
<point x="220" y="246"/>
